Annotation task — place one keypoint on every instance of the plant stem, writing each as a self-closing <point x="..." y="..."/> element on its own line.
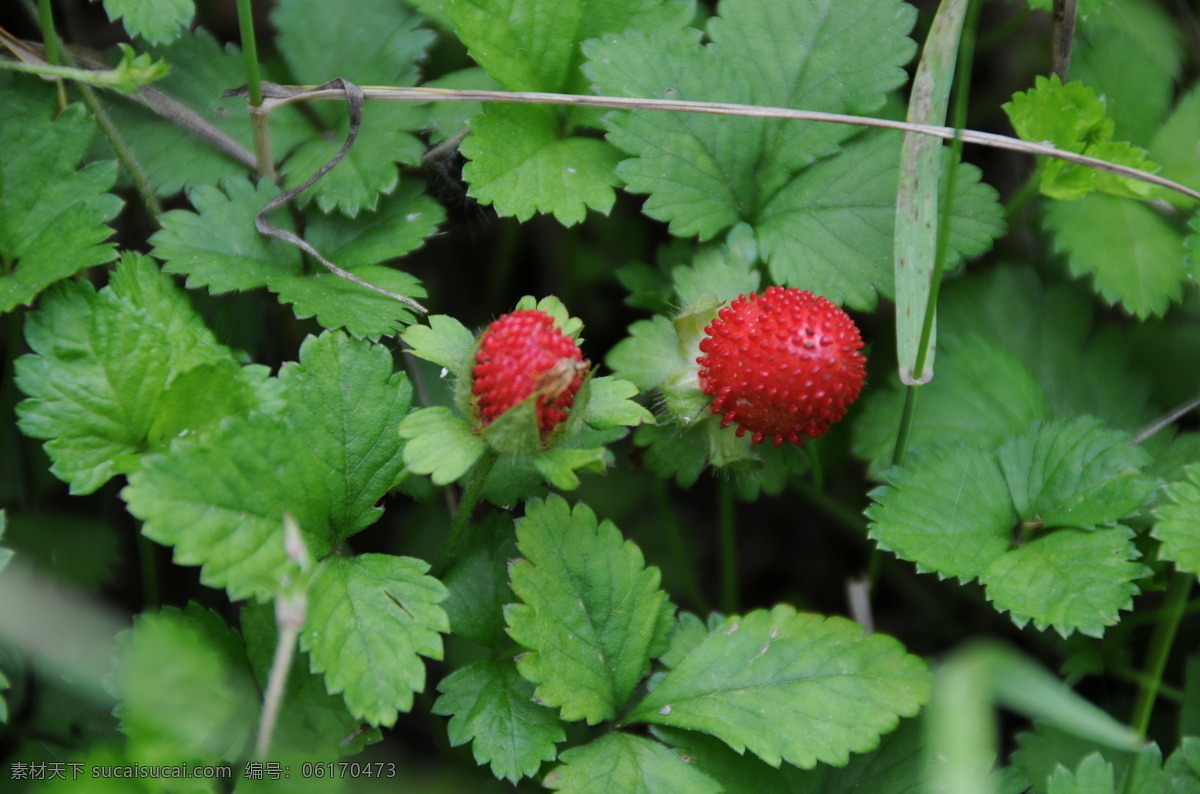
<point x="290" y="612"/>
<point x="452" y="547"/>
<point x="50" y="40"/>
<point x="258" y="121"/>
<point x="148" y="563"/>
<point x="669" y="522"/>
<point x="125" y="155"/>
<point x="728" y="547"/>
<point x="814" y="463"/>
<point x="1170" y="614"/>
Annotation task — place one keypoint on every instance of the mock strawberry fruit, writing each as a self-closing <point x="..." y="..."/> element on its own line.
<point x="783" y="365"/>
<point x="524" y="354"/>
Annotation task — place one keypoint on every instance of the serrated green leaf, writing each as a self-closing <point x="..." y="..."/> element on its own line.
<point x="634" y="764"/>
<point x="558" y="466"/>
<point x="790" y="687"/>
<point x="478" y="581"/>
<point x="649" y="355"/>
<point x="591" y="612"/>
<point x="156" y="21"/>
<point x="344" y="395"/>
<point x="219" y="499"/>
<point x="312" y="725"/>
<point x="981" y="392"/>
<point x="370" y="618"/>
<point x="1174" y="145"/>
<point x="1075" y="474"/>
<point x="492" y="707"/>
<point x="1135" y="256"/>
<point x="1094" y="776"/>
<point x="440" y="443"/>
<point x="1178" y="524"/>
<point x="337" y="302"/>
<point x="520" y="164"/>
<point x="399" y="225"/>
<point x="444" y="341"/>
<point x="673" y="451"/>
<point x="609" y="405"/>
<point x="184" y="688"/>
<point x="217" y="246"/>
<point x="204" y="395"/>
<point x="53" y="214"/>
<point x="1068" y="579"/>
<point x="717" y="276"/>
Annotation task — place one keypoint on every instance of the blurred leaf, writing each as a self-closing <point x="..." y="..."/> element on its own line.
<point x="478" y="582"/>
<point x="1178" y="525"/>
<point x="77" y="550"/>
<point x="156" y="21"/>
<point x="633" y="764"/>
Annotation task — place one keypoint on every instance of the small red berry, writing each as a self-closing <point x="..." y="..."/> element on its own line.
<point x="522" y="354"/>
<point x="783" y="365"/>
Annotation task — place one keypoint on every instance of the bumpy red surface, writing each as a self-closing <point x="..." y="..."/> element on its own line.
<point x="783" y="365"/>
<point x="522" y="353"/>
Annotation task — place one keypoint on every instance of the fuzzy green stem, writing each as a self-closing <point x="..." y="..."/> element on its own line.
<point x="1170" y="614"/>
<point x="50" y="40"/>
<point x="668" y="521"/>
<point x="728" y="546"/>
<point x="125" y="155"/>
<point x="452" y="547"/>
<point x="258" y="121"/>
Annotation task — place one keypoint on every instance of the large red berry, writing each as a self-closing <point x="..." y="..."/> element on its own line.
<point x="783" y="365"/>
<point x="521" y="354"/>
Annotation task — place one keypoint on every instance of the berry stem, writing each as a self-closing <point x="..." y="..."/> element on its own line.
<point x="452" y="547"/>
<point x="725" y="532"/>
<point x="1169" y="616"/>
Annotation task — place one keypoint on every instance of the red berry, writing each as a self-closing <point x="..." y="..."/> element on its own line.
<point x="521" y="354"/>
<point x="783" y="365"/>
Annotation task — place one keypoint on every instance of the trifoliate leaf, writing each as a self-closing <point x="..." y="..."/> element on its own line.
<point x="492" y="707"/>
<point x="649" y="355"/>
<point x="520" y="163"/>
<point x="478" y="581"/>
<point x="174" y="158"/>
<point x="1067" y="579"/>
<point x="634" y="764"/>
<point x="440" y="443"/>
<point x="184" y="688"/>
<point x="981" y="392"/>
<point x="592" y="611"/>
<point x="1074" y="474"/>
<point x="609" y="404"/>
<point x="790" y="687"/>
<point x="312" y="723"/>
<point x="346" y="397"/>
<point x="444" y="341"/>
<point x="374" y="42"/>
<point x="219" y="499"/>
<point x="719" y="274"/>
<point x="370" y="618"/>
<point x="53" y="214"/>
<point x="1134" y="255"/>
<point x="217" y="246"/>
<point x="156" y="21"/>
<point x="1178" y="524"/>
<point x="399" y="225"/>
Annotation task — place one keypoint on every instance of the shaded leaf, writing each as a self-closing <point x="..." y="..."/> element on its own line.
<point x="634" y="764"/>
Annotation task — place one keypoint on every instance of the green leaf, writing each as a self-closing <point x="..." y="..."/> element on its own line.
<point x="370" y="619"/>
<point x="718" y="275"/>
<point x="649" y="355"/>
<point x="492" y="707"/>
<point x="400" y="224"/>
<point x="444" y="341"/>
<point x="156" y="21"/>
<point x="201" y="397"/>
<point x="1135" y="256"/>
<point x="1068" y="579"/>
<point x="1178" y="524"/>
<point x="790" y="687"/>
<point x="634" y="764"/>
<point x="337" y="302"/>
<point x="184" y="688"/>
<point x="219" y="499"/>
<point x="1075" y="474"/>
<point x="520" y="164"/>
<point x="1174" y="145"/>
<point x="592" y="612"/>
<point x="217" y="246"/>
<point x="53" y="214"/>
<point x="312" y="724"/>
<point x="440" y="443"/>
<point x="346" y="397"/>
<point x="478" y="581"/>
<point x="609" y="404"/>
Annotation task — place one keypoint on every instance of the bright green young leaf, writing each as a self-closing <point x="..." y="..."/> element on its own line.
<point x="1068" y="579"/>
<point x="478" y="581"/>
<point x="440" y="443"/>
<point x="346" y="397"/>
<point x="790" y="687"/>
<point x="1074" y="474"/>
<point x="219" y="499"/>
<point x="156" y="21"/>
<point x="53" y="214"/>
<point x="559" y="466"/>
<point x="370" y="618"/>
<point x="313" y="724"/>
<point x="719" y="274"/>
<point x="1135" y="256"/>
<point x="592" y="615"/>
<point x="444" y="341"/>
<point x="174" y="158"/>
<point x="609" y="404"/>
<point x="625" y="763"/>
<point x="217" y="246"/>
<point x="981" y="392"/>
<point x="184" y="688"/>
<point x="649" y="355"/>
<point x="492" y="707"/>
<point x="1178" y="524"/>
